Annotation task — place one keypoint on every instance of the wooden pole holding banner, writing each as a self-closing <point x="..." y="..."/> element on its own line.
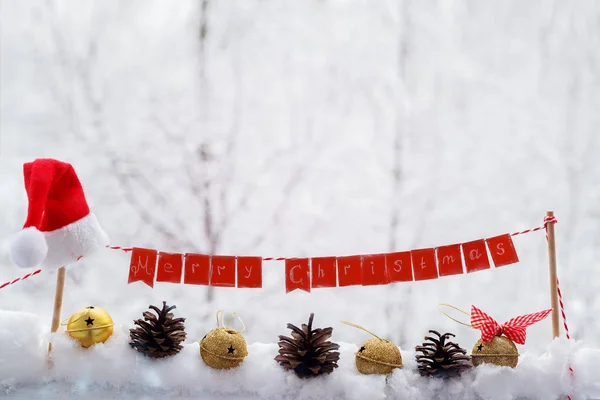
<point x="58" y="299"/>
<point x="553" y="279"/>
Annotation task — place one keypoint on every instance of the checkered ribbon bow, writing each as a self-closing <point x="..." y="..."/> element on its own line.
<point x="514" y="328"/>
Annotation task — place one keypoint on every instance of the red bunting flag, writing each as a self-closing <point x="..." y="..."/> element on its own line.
<point x="249" y="272"/>
<point x="424" y="266"/>
<point x="350" y="270"/>
<point x="297" y="274"/>
<point x="476" y="258"/>
<point x="323" y="272"/>
<point x="170" y="267"/>
<point x="449" y="260"/>
<point x="502" y="250"/>
<point x="374" y="270"/>
<point x="142" y="266"/>
<point x="399" y="266"/>
<point x="197" y="269"/>
<point x="222" y="271"/>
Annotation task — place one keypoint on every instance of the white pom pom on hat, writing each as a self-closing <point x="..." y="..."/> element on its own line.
<point x="59" y="227"/>
<point x="29" y="248"/>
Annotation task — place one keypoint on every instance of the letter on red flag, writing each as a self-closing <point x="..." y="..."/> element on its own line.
<point x="323" y="272"/>
<point x="142" y="266"/>
<point x="349" y="270"/>
<point x="297" y="274"/>
<point x="374" y="270"/>
<point x="197" y="269"/>
<point x="423" y="261"/>
<point x="475" y="253"/>
<point x="449" y="260"/>
<point x="222" y="271"/>
<point x="249" y="272"/>
<point x="399" y="266"/>
<point x="502" y="250"/>
<point x="170" y="267"/>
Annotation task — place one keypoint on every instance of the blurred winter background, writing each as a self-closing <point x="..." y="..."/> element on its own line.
<point x="310" y="128"/>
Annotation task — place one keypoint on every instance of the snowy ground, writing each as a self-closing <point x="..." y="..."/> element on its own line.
<point x="116" y="370"/>
<point x="493" y="107"/>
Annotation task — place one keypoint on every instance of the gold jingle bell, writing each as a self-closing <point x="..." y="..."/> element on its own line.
<point x="90" y="325"/>
<point x="223" y="347"/>
<point x="377" y="355"/>
<point x="499" y="351"/>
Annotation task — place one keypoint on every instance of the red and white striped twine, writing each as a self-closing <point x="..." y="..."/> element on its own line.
<point x="125" y="249"/>
<point x="5" y="284"/>
<point x="547" y="220"/>
<point x="128" y="249"/>
<point x="553" y="220"/>
<point x="562" y="309"/>
<point x="564" y="317"/>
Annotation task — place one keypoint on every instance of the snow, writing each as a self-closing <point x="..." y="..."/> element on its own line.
<point x="114" y="368"/>
<point x="23" y="347"/>
<point x="307" y="128"/>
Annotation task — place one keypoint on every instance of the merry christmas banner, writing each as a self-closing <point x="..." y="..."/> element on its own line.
<point x="306" y="273"/>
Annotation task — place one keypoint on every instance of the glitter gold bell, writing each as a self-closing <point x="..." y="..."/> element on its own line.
<point x="377" y="355"/>
<point x="90" y="325"/>
<point x="223" y="347"/>
<point x="499" y="351"/>
<point x="497" y="342"/>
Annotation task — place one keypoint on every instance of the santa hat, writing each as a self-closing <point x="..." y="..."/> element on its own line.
<point x="59" y="228"/>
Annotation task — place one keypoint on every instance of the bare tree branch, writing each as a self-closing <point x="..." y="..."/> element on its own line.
<point x="146" y="215"/>
<point x="291" y="184"/>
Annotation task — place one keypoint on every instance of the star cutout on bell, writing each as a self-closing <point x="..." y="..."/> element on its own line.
<point x="90" y="325"/>
<point x="224" y="347"/>
<point x="480" y="347"/>
<point x="376" y="355"/>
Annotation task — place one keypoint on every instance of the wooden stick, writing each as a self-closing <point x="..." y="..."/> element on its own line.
<point x="58" y="299"/>
<point x="552" y="265"/>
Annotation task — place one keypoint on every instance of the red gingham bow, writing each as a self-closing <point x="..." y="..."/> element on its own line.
<point x="514" y="328"/>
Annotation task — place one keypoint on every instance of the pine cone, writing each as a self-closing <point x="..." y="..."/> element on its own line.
<point x="158" y="335"/>
<point x="308" y="352"/>
<point x="440" y="358"/>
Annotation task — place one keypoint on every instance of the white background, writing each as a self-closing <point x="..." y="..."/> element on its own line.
<point x="312" y="128"/>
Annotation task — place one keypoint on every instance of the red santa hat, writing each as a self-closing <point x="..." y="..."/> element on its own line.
<point x="59" y="228"/>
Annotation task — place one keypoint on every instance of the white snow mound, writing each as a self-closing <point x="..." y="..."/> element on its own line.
<point x="114" y="369"/>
